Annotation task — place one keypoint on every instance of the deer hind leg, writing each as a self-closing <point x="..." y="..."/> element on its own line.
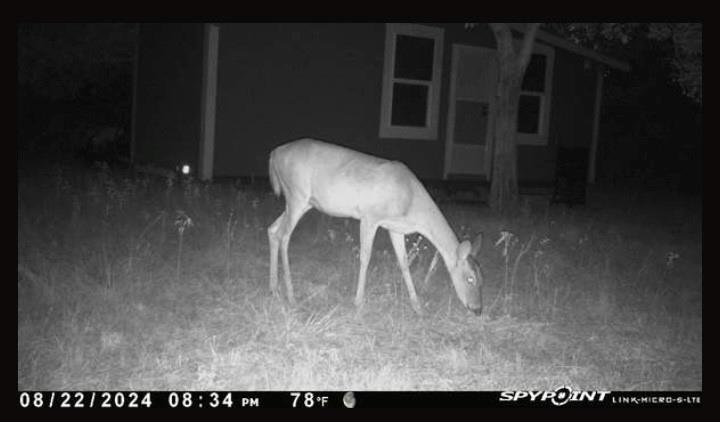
<point x="398" y="242"/>
<point x="292" y="215"/>
<point x="367" y="235"/>
<point x="274" y="239"/>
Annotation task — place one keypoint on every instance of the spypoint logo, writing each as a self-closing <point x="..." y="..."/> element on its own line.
<point x="559" y="397"/>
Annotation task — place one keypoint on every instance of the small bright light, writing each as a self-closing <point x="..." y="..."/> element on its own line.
<point x="185" y="169"/>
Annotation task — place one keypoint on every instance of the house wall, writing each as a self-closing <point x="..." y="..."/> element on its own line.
<point x="167" y="110"/>
<point x="573" y="100"/>
<point x="273" y="87"/>
<point x="571" y="116"/>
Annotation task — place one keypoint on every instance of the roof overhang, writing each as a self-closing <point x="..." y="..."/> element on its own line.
<point x="575" y="48"/>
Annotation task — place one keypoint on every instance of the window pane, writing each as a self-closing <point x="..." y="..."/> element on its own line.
<point x="534" y="79"/>
<point x="529" y="114"/>
<point x="471" y="120"/>
<point x="409" y="106"/>
<point x="414" y="57"/>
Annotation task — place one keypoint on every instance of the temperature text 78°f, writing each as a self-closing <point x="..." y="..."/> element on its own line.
<point x="308" y="400"/>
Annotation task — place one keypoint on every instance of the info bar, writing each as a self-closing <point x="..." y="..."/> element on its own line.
<point x="560" y="397"/>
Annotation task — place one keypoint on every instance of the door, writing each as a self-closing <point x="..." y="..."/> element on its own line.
<point x="471" y="111"/>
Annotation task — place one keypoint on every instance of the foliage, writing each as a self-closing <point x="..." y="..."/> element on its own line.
<point x="683" y="41"/>
<point x="64" y="61"/>
<point x="74" y="87"/>
<point x="651" y="129"/>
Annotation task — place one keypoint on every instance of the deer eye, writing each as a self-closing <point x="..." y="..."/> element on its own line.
<point x="471" y="280"/>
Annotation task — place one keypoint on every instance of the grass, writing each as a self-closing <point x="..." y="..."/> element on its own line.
<point x="130" y="282"/>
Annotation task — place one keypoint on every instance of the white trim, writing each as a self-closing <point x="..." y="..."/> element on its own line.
<point x="387" y="130"/>
<point x="596" y="125"/>
<point x="575" y="48"/>
<point x="541" y="138"/>
<point x="209" y="98"/>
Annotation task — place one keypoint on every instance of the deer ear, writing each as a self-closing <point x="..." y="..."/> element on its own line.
<point x="463" y="250"/>
<point x="477" y="244"/>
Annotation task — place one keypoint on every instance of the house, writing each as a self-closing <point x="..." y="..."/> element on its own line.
<point x="221" y="96"/>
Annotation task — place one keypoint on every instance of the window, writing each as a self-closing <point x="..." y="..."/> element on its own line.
<point x="411" y="82"/>
<point x="534" y="106"/>
<point x="529" y="114"/>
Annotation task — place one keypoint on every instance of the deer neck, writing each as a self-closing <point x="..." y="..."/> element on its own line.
<point x="442" y="236"/>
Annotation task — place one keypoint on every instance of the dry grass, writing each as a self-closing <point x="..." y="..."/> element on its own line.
<point x="109" y="297"/>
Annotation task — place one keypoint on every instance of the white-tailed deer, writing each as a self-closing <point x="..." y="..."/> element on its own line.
<point x="344" y="183"/>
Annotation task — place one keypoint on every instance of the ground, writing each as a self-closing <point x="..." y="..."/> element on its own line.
<point x="134" y="282"/>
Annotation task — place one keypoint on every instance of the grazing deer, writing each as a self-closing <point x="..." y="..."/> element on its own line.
<point x="344" y="183"/>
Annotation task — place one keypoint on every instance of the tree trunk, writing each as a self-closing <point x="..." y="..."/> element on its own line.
<point x="504" y="183"/>
<point x="512" y="65"/>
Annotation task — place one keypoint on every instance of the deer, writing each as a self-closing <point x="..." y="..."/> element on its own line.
<point x="342" y="182"/>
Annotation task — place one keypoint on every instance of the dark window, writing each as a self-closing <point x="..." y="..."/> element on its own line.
<point x="534" y="79"/>
<point x="471" y="121"/>
<point x="409" y="105"/>
<point x="529" y="114"/>
<point x="414" y="57"/>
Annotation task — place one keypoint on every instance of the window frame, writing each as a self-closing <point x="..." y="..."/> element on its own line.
<point x="542" y="136"/>
<point x="430" y="131"/>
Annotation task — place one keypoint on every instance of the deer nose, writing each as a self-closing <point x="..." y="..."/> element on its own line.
<point x="477" y="311"/>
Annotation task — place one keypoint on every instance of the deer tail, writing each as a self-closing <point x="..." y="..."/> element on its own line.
<point x="274" y="178"/>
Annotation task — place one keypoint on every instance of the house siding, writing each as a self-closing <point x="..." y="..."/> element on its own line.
<point x="279" y="82"/>
<point x="282" y="81"/>
<point x="571" y="117"/>
<point x="272" y="87"/>
<point x="168" y="94"/>
<point x="573" y="100"/>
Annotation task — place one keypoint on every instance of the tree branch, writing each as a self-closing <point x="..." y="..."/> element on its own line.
<point x="503" y="36"/>
<point x="527" y="45"/>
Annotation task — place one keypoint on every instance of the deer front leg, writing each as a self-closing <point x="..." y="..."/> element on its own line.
<point x="431" y="268"/>
<point x="367" y="235"/>
<point x="398" y="242"/>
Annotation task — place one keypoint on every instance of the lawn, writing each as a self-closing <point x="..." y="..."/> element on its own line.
<point x="147" y="283"/>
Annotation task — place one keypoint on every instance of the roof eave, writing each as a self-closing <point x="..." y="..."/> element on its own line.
<point x="575" y="48"/>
